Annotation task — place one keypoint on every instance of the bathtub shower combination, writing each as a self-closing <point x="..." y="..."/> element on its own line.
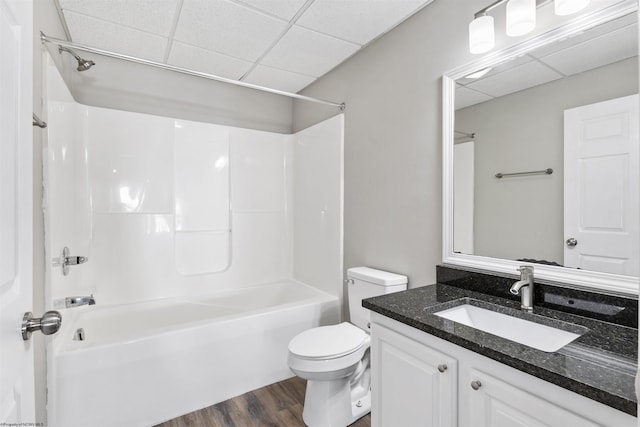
<point x="207" y="247"/>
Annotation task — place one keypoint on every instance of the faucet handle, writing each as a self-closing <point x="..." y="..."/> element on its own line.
<point x="525" y="269"/>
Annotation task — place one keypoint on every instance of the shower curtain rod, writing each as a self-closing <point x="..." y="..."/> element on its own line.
<point x="63" y="43"/>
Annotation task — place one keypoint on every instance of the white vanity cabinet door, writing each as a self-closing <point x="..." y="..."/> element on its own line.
<point x="412" y="385"/>
<point x="493" y="402"/>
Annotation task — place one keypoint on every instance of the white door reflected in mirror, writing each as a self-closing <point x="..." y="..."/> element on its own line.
<point x="601" y="187"/>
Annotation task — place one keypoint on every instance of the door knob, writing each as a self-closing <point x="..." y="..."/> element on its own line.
<point x="48" y="324"/>
<point x="571" y="242"/>
<point x="476" y="384"/>
<point x="442" y="367"/>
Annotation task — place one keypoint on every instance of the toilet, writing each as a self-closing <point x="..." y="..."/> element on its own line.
<point x="335" y="359"/>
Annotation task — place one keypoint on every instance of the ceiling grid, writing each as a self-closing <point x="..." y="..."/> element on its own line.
<point x="284" y="44"/>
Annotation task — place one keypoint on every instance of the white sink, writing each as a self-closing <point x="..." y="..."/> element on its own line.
<point x="536" y="335"/>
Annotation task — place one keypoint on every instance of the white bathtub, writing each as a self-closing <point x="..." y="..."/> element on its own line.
<point x="142" y="364"/>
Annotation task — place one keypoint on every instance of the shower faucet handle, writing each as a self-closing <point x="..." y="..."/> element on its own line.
<point x="66" y="260"/>
<point x="75" y="260"/>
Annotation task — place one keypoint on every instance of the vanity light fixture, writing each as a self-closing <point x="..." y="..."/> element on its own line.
<point x="481" y="34"/>
<point x="521" y="20"/>
<point x="521" y="17"/>
<point x="568" y="7"/>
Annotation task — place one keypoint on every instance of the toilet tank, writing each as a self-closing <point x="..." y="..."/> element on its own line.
<point x="365" y="282"/>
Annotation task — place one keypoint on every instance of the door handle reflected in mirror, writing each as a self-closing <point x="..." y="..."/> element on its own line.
<point x="571" y="242"/>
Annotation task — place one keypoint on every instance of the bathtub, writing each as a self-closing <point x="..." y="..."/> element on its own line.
<point x="145" y="363"/>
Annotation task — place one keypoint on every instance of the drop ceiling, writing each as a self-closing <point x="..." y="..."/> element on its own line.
<point x="603" y="45"/>
<point x="282" y="44"/>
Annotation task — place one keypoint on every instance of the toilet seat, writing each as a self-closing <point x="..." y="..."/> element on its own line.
<point x="328" y="342"/>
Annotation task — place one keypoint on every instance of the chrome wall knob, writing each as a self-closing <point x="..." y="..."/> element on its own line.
<point x="442" y="367"/>
<point x="48" y="324"/>
<point x="571" y="242"/>
<point x="476" y="384"/>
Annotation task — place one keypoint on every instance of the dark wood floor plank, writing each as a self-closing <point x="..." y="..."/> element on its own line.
<point x="276" y="405"/>
<point x="291" y="417"/>
<point x="220" y="414"/>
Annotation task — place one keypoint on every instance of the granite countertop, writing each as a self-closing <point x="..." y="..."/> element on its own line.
<point x="601" y="364"/>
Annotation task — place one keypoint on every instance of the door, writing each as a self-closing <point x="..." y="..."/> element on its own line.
<point x="412" y="384"/>
<point x="16" y="356"/>
<point x="601" y="187"/>
<point x="493" y="402"/>
<point x="463" y="201"/>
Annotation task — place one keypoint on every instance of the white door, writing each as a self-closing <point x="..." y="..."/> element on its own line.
<point x="16" y="356"/>
<point x="463" y="201"/>
<point x="601" y="187"/>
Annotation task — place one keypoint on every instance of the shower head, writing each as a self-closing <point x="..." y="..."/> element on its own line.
<point x="83" y="64"/>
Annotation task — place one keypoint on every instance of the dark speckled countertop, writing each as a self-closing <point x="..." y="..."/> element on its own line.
<point x="600" y="364"/>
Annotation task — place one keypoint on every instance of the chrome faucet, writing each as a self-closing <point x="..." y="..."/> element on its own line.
<point x="70" y="302"/>
<point x="524" y="287"/>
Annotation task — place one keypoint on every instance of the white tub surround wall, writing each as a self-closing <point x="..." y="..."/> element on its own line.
<point x="166" y="208"/>
<point x="317" y="211"/>
<point x="210" y="247"/>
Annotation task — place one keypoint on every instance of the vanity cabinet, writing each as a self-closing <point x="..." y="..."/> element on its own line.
<point x="412" y="384"/>
<point x="408" y="389"/>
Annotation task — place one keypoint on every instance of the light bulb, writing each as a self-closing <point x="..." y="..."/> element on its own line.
<point x="521" y="17"/>
<point x="481" y="35"/>
<point x="567" y="7"/>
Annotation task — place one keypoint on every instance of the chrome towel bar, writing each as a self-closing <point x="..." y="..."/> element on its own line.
<point x="548" y="171"/>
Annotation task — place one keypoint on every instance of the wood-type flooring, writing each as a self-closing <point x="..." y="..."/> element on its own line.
<point x="276" y="405"/>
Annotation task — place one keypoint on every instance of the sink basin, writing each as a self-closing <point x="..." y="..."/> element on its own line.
<point x="532" y="334"/>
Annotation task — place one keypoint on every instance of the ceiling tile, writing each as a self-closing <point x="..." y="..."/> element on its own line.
<point x="227" y="28"/>
<point x="307" y="52"/>
<point x="597" y="52"/>
<point x="206" y="61"/>
<point x="108" y="36"/>
<point x="358" y="21"/>
<point x="515" y="79"/>
<point x="466" y="97"/>
<point x="278" y="79"/>
<point x="285" y="9"/>
<point x="152" y="16"/>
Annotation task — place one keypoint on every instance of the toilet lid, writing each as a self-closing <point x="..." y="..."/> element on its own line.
<point x="328" y="341"/>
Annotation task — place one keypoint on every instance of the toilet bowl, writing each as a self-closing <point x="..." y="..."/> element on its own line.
<point x="335" y="359"/>
<point x="335" y="396"/>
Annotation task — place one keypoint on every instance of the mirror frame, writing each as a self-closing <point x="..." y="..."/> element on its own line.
<point x="582" y="279"/>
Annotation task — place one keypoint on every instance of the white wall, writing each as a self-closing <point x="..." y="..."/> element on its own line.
<point x="523" y="217"/>
<point x="165" y="207"/>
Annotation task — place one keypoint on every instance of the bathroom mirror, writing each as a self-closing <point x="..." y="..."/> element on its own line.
<point x="519" y="185"/>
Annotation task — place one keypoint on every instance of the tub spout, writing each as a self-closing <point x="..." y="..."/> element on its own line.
<point x="70" y="302"/>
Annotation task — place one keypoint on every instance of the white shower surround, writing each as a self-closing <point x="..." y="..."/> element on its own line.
<point x="285" y="227"/>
